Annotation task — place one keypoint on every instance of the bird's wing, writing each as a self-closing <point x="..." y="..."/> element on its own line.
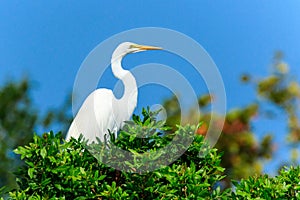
<point x="94" y="117"/>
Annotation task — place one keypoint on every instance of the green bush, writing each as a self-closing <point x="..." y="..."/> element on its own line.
<point x="284" y="186"/>
<point x="55" y="169"/>
<point x="67" y="170"/>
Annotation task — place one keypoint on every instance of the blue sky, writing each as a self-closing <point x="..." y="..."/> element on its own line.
<point x="49" y="41"/>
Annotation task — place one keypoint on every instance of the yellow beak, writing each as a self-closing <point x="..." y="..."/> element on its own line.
<point x="143" y="47"/>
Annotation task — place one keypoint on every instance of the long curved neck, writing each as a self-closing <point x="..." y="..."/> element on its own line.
<point x="130" y="86"/>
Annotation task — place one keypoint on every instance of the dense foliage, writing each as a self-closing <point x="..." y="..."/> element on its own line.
<point x="284" y="186"/>
<point x="67" y="170"/>
<point x="56" y="169"/>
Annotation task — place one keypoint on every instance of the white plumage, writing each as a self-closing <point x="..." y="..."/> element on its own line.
<point x="102" y="111"/>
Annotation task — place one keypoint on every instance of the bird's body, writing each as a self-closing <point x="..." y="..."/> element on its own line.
<point x="89" y="117"/>
<point x="102" y="111"/>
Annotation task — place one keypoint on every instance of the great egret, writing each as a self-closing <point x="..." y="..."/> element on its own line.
<point x="101" y="110"/>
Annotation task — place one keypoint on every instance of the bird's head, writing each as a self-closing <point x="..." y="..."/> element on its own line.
<point x="129" y="47"/>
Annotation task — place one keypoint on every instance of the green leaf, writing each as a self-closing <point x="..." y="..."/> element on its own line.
<point x="101" y="177"/>
<point x="30" y="172"/>
<point x="132" y="137"/>
<point x="43" y="152"/>
<point x="58" y="186"/>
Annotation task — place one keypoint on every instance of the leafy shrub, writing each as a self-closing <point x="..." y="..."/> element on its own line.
<point x="67" y="170"/>
<point x="56" y="169"/>
<point x="284" y="186"/>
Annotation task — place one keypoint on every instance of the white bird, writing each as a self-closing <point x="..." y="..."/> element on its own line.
<point x="101" y="110"/>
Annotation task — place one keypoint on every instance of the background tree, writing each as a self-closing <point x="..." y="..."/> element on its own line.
<point x="242" y="152"/>
<point x="19" y="118"/>
<point x="281" y="90"/>
<point x="17" y="121"/>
